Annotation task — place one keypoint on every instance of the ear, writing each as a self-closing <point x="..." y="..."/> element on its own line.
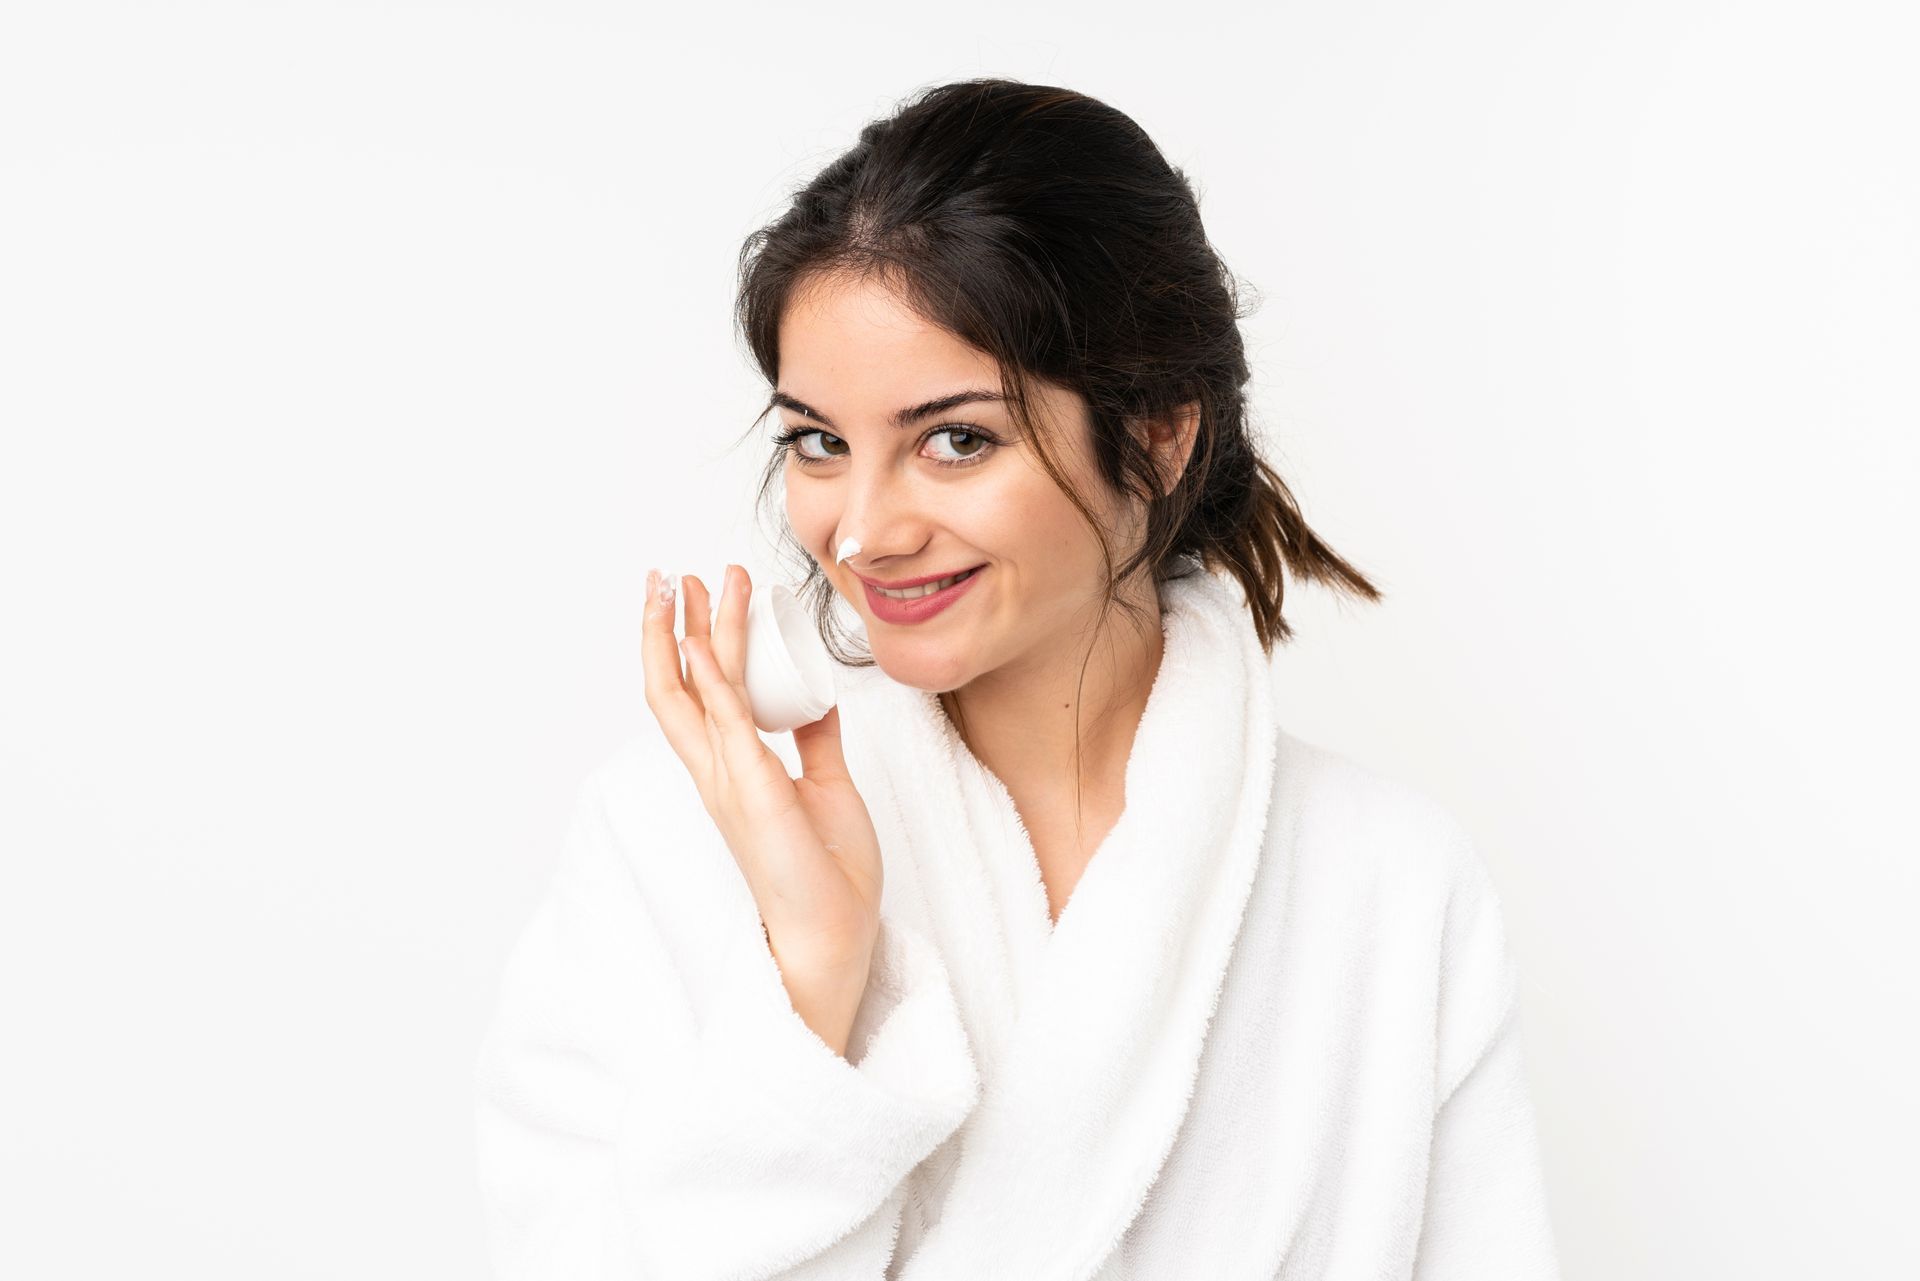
<point x="1171" y="441"/>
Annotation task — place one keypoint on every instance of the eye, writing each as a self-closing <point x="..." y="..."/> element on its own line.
<point x="791" y="438"/>
<point x="972" y="445"/>
<point x="977" y="444"/>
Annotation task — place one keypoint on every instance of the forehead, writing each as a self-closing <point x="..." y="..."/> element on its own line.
<point x="857" y="347"/>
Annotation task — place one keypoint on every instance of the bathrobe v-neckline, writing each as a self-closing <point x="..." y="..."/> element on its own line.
<point x="1087" y="1032"/>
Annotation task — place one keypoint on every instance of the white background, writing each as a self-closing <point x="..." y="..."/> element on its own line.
<point x="356" y="361"/>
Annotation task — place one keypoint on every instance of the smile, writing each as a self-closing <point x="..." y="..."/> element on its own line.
<point x="903" y="606"/>
<point x="925" y="589"/>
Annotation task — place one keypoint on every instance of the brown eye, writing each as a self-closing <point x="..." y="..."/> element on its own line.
<point x="967" y="443"/>
<point x="790" y="439"/>
<point x="970" y="446"/>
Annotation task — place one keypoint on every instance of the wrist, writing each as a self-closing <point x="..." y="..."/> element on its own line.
<point x="826" y="997"/>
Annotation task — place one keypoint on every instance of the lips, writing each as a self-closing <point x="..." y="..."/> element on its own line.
<point x="921" y="581"/>
<point x="893" y="609"/>
<point x="916" y="590"/>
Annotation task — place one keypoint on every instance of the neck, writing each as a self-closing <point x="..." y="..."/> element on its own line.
<point x="1019" y="720"/>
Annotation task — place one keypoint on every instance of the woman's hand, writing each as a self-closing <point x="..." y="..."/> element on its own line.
<point x="807" y="846"/>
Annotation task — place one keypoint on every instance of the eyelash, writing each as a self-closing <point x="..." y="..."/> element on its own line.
<point x="789" y="438"/>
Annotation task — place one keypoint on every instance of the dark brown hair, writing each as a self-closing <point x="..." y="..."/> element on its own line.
<point x="1043" y="227"/>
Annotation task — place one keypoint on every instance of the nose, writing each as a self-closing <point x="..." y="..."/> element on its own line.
<point x="878" y="520"/>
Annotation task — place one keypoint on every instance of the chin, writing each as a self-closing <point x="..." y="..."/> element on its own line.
<point x="937" y="674"/>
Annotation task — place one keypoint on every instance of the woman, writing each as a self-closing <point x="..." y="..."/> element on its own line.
<point x="1059" y="958"/>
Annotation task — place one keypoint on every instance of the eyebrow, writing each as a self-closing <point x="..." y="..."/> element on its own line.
<point x="901" y="418"/>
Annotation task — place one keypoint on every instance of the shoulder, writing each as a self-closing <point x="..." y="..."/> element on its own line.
<point x="641" y="778"/>
<point x="645" y="837"/>
<point x="1371" y="823"/>
<point x="1372" y="848"/>
<point x="645" y="805"/>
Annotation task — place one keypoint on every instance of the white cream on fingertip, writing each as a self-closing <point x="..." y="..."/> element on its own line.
<point x="848" y="547"/>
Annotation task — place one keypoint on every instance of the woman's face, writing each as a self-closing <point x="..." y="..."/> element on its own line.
<point x="940" y="494"/>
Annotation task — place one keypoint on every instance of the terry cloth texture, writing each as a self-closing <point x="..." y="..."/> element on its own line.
<point x="1272" y="1036"/>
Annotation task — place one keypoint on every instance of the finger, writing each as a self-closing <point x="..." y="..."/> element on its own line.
<point x="730" y="628"/>
<point x="716" y="739"/>
<point x="699" y="610"/>
<point x="677" y="711"/>
<point x="696" y="619"/>
<point x="739" y="739"/>
<point x="694" y="616"/>
<point x="821" y="755"/>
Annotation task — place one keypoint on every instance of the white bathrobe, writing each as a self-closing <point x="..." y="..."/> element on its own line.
<point x="1273" y="1034"/>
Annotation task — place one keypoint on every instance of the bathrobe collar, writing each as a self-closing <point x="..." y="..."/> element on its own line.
<point x="1087" y="1033"/>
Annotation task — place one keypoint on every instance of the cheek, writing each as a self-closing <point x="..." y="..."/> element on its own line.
<point x="812" y="516"/>
<point x="1039" y="525"/>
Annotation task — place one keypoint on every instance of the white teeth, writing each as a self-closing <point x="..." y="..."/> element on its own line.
<point x="927" y="589"/>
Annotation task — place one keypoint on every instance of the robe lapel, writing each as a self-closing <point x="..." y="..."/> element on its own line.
<point x="1087" y="1034"/>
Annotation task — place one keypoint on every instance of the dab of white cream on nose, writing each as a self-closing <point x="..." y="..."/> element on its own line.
<point x="848" y="547"/>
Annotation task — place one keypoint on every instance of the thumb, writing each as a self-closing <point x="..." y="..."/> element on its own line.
<point x="819" y="746"/>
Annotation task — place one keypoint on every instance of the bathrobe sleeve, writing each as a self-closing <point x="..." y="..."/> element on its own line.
<point x="624" y="1133"/>
<point x="1486" y="1210"/>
